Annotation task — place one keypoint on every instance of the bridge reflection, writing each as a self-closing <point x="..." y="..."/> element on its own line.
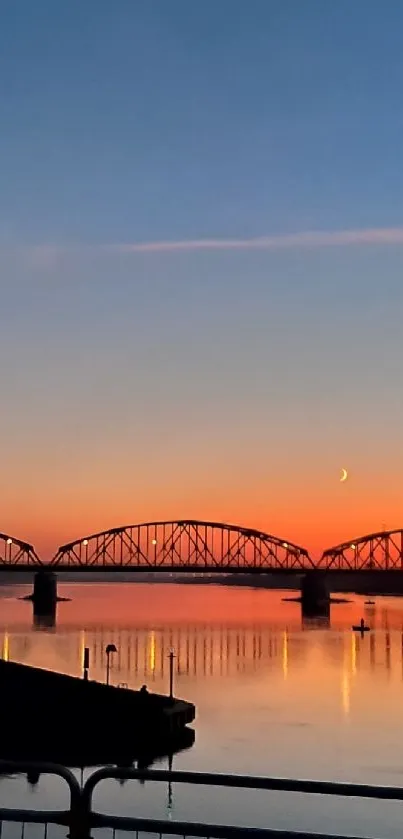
<point x="143" y="652"/>
<point x="207" y="651"/>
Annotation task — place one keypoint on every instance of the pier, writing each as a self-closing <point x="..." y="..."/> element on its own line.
<point x="55" y="714"/>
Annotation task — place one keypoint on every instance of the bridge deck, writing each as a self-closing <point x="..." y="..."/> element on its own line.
<point x="213" y="570"/>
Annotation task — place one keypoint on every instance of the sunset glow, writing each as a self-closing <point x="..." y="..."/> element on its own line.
<point x="222" y="331"/>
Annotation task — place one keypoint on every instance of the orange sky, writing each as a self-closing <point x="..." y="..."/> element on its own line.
<point x="314" y="514"/>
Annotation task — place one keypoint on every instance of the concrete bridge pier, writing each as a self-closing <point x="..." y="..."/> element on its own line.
<point x="315" y="597"/>
<point x="44" y="595"/>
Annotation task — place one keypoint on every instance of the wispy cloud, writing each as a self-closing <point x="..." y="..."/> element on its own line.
<point x="43" y="257"/>
<point x="309" y="239"/>
<point x="46" y="256"/>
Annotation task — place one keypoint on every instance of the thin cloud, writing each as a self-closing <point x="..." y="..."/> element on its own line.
<point x="44" y="257"/>
<point x="309" y="239"/>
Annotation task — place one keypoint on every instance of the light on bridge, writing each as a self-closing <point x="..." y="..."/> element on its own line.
<point x="285" y="544"/>
<point x="153" y="541"/>
<point x="85" y="542"/>
<point x="353" y="547"/>
<point x="9" y="541"/>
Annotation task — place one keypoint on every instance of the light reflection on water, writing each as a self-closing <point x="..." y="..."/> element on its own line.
<point x="274" y="695"/>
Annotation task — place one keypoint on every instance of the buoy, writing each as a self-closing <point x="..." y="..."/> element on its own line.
<point x="361" y="627"/>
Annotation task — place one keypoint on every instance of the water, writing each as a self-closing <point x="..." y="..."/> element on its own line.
<point x="274" y="696"/>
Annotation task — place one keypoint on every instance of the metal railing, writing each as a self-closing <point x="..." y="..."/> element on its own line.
<point x="80" y="818"/>
<point x="64" y="817"/>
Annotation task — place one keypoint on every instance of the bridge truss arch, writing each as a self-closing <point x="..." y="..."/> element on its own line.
<point x="14" y="551"/>
<point x="182" y="546"/>
<point x="382" y="551"/>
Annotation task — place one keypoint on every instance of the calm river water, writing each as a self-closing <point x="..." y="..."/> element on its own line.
<point x="274" y="696"/>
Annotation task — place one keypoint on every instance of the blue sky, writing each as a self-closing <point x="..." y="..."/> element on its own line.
<point x="272" y="367"/>
<point x="150" y="120"/>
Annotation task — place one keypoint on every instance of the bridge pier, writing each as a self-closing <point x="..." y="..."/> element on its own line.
<point x="315" y="597"/>
<point x="44" y="595"/>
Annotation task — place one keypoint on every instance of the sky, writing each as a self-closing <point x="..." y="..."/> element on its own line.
<point x="201" y="260"/>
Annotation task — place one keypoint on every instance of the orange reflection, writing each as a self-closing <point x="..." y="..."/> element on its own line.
<point x="353" y="653"/>
<point x="6" y="647"/>
<point x="285" y="654"/>
<point x="345" y="692"/>
<point x="152" y="651"/>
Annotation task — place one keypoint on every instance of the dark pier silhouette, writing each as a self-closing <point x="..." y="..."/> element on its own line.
<point x="104" y="723"/>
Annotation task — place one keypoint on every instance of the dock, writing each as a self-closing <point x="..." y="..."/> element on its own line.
<point x="50" y="714"/>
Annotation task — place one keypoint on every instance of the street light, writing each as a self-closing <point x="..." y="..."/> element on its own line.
<point x="171" y="674"/>
<point x="109" y="650"/>
<point x="85" y="544"/>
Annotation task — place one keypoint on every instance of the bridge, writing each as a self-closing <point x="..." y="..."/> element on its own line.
<point x="189" y="545"/>
<point x="192" y="546"/>
<point x="382" y="551"/>
<point x="16" y="553"/>
<point x="186" y="545"/>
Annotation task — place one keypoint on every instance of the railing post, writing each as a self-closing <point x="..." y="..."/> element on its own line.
<point x="80" y="821"/>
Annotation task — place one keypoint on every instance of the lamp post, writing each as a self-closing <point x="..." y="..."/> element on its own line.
<point x="171" y="674"/>
<point x="86" y="663"/>
<point x="109" y="650"/>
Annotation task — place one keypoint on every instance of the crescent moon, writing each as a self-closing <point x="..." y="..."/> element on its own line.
<point x="344" y="476"/>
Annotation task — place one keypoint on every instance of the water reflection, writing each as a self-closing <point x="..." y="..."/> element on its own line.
<point x="44" y="622"/>
<point x="245" y="657"/>
<point x="5" y="646"/>
<point x="142" y="654"/>
<point x="80" y="755"/>
<point x="275" y="694"/>
<point x="201" y="650"/>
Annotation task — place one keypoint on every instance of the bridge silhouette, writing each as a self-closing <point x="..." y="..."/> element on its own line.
<point x="189" y="545"/>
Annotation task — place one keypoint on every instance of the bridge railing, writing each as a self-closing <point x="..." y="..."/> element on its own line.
<point x="81" y="819"/>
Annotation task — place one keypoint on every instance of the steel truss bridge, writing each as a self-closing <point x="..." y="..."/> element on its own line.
<point x="14" y="552"/>
<point x="381" y="551"/>
<point x="188" y="545"/>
